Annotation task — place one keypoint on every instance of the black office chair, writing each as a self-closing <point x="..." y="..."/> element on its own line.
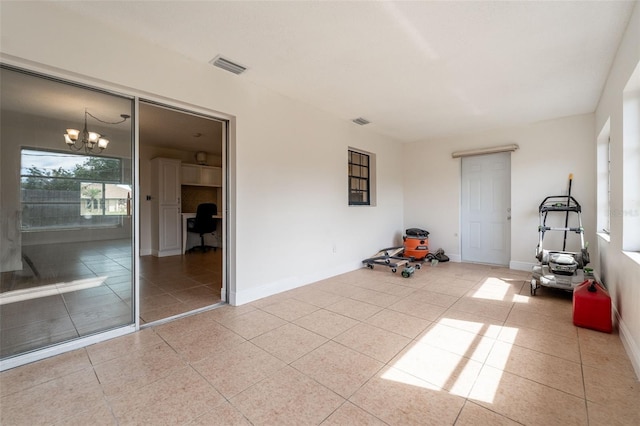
<point x="203" y="223"/>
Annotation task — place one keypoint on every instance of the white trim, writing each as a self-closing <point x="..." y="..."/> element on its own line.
<point x="166" y="253"/>
<point x="281" y="286"/>
<point x="521" y="266"/>
<point x="136" y="213"/>
<point x="454" y="257"/>
<point x="224" y="290"/>
<point x="633" y="255"/>
<point x="61" y="348"/>
<point x="482" y="151"/>
<point x="633" y="351"/>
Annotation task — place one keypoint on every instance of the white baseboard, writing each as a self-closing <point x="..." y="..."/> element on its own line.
<point x="145" y="252"/>
<point x="270" y="289"/>
<point x="166" y="253"/>
<point x="521" y="266"/>
<point x="632" y="348"/>
<point x="454" y="257"/>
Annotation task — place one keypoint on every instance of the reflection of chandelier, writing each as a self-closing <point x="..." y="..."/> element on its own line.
<point x="91" y="142"/>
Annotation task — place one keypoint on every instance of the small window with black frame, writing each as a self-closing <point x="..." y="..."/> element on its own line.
<point x="359" y="179"/>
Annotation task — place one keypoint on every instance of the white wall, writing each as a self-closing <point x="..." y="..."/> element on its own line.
<point x="621" y="271"/>
<point x="287" y="160"/>
<point x="548" y="152"/>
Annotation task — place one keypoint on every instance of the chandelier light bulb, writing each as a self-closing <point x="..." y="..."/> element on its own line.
<point x="67" y="139"/>
<point x="73" y="134"/>
<point x="93" y="137"/>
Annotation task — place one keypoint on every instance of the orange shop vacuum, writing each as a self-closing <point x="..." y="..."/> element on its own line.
<point x="416" y="243"/>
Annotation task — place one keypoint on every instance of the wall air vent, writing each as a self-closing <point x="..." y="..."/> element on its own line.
<point x="227" y="65"/>
<point x="361" y="121"/>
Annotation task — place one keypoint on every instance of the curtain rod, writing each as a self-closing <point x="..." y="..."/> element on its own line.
<point x="480" y="151"/>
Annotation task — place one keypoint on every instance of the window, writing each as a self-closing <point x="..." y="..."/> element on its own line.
<point x="604" y="179"/>
<point x="631" y="164"/>
<point x="607" y="227"/>
<point x="359" y="179"/>
<point x="66" y="190"/>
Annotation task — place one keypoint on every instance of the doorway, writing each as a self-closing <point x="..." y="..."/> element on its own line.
<point x="71" y="230"/>
<point x="181" y="154"/>
<point x="486" y="209"/>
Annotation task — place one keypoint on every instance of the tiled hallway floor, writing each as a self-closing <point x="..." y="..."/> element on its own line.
<point x="177" y="284"/>
<point x="453" y="344"/>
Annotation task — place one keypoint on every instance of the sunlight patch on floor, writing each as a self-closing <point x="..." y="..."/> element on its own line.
<point x="399" y="376"/>
<point x="493" y="376"/>
<point x="50" y="290"/>
<point x="499" y="289"/>
<point x="449" y="357"/>
<point x="520" y="298"/>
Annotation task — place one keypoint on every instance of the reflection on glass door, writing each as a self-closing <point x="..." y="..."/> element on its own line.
<point x="66" y="225"/>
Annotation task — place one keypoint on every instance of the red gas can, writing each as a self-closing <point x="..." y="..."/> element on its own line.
<point x="592" y="306"/>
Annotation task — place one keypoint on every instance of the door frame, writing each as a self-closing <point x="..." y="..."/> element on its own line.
<point x="463" y="234"/>
<point x="87" y="340"/>
<point x="228" y="223"/>
<point x="226" y="123"/>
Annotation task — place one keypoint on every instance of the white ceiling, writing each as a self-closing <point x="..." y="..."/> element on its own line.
<point x="416" y="70"/>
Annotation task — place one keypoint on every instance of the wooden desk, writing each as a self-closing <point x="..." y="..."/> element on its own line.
<point x="186" y="216"/>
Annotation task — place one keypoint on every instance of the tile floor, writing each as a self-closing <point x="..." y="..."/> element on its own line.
<point x="454" y="344"/>
<point x="168" y="286"/>
<point x="46" y="320"/>
<point x="177" y="284"/>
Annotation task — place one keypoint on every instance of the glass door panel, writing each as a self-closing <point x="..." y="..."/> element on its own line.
<point x="66" y="228"/>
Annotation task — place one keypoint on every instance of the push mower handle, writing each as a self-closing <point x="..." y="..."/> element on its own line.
<point x="559" y="203"/>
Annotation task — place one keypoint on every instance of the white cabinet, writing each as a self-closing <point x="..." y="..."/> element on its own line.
<point x="190" y="174"/>
<point x="194" y="174"/>
<point x="166" y="224"/>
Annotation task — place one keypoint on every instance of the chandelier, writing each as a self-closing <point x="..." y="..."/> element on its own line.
<point x="91" y="142"/>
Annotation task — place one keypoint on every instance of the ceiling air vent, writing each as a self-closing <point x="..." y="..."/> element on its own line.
<point x="227" y="65"/>
<point x="361" y="121"/>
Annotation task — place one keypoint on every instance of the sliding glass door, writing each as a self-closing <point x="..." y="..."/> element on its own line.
<point x="66" y="228"/>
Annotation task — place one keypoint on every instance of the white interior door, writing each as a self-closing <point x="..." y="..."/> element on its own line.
<point x="486" y="208"/>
